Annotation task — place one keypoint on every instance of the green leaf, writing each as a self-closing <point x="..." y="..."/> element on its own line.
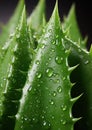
<point x="36" y="21"/>
<point x="11" y="25"/>
<point x="46" y="102"/>
<point x="13" y="73"/>
<point x="70" y="24"/>
<point x="9" y="30"/>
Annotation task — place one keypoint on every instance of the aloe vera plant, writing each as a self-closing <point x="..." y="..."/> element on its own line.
<point x="45" y="73"/>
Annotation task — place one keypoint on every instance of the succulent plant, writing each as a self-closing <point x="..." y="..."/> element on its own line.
<point x="45" y="72"/>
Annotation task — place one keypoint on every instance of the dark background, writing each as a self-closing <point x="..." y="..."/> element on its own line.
<point x="83" y="12"/>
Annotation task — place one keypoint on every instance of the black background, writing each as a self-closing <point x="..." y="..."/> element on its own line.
<point x="83" y="12"/>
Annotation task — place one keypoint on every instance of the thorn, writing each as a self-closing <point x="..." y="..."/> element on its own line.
<point x="14" y="101"/>
<point x="73" y="84"/>
<point x="70" y="69"/>
<point x="73" y="100"/>
<point x="76" y="119"/>
<point x="11" y="117"/>
<point x="67" y="30"/>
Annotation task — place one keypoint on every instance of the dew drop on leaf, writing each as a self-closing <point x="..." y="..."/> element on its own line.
<point x="54" y="94"/>
<point x="52" y="117"/>
<point x="37" y="62"/>
<point x="57" y="36"/>
<point x="42" y="46"/>
<point x="57" y="80"/>
<point x="63" y="122"/>
<point x="49" y="72"/>
<point x="51" y="102"/>
<point x="42" y="116"/>
<point x="46" y="125"/>
<point x="34" y="120"/>
<point x="53" y="42"/>
<point x="39" y="75"/>
<point x="59" y="89"/>
<point x="64" y="78"/>
<point x="46" y="63"/>
<point x="25" y="119"/>
<point x="64" y="107"/>
<point x="50" y="30"/>
<point x="53" y="50"/>
<point x="29" y="88"/>
<point x="49" y="58"/>
<point x="38" y="85"/>
<point x="58" y="60"/>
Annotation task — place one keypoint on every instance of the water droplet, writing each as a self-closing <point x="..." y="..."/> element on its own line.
<point x="86" y="62"/>
<point x="59" y="89"/>
<point x="47" y="63"/>
<point x="58" y="60"/>
<point x="52" y="117"/>
<point x="49" y="72"/>
<point x="43" y="30"/>
<point x="53" y="42"/>
<point x="4" y="79"/>
<point x="49" y="58"/>
<point x="42" y="117"/>
<point x="38" y="85"/>
<point x="63" y="122"/>
<point x="37" y="62"/>
<point x="54" y="93"/>
<point x="46" y="125"/>
<point x="63" y="107"/>
<point x="39" y="75"/>
<point x="50" y="30"/>
<point x="57" y="36"/>
<point x="34" y="36"/>
<point x="64" y="78"/>
<point x="35" y="120"/>
<point x="29" y="88"/>
<point x="51" y="102"/>
<point x="53" y="50"/>
<point x="25" y="119"/>
<point x="42" y="46"/>
<point x="57" y="81"/>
